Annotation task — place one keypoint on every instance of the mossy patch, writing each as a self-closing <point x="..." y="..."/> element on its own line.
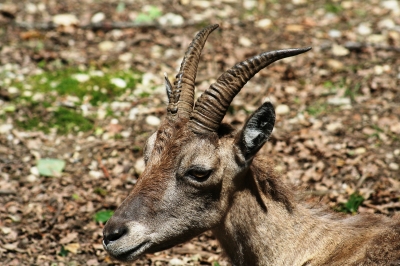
<point x="53" y="99"/>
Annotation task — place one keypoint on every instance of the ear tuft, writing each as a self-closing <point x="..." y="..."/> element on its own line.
<point x="256" y="131"/>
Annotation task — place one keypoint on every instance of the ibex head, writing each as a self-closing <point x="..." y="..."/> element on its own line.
<point x="194" y="164"/>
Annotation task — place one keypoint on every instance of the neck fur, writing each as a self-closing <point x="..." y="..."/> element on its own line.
<point x="266" y="226"/>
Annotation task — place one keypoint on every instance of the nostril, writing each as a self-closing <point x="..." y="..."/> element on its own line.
<point x="114" y="235"/>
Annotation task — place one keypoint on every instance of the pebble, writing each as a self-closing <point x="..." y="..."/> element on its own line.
<point x="339" y="50"/>
<point x="335" y="64"/>
<point x="31" y="8"/>
<point x="394" y="166"/>
<point x="244" y="41"/>
<point x="153" y="120"/>
<point x="96" y="174"/>
<point x="38" y="97"/>
<point x="120" y="105"/>
<point x="376" y="38"/>
<point x="106" y="46"/>
<point x="378" y="70"/>
<point x="339" y="101"/>
<point x="176" y="262"/>
<point x="5" y="128"/>
<point x="81" y="77"/>
<point x="101" y="113"/>
<point x="120" y="83"/>
<point x="96" y="73"/>
<point x="360" y="150"/>
<point x="264" y="23"/>
<point x="65" y="20"/>
<point x="34" y="171"/>
<point x="201" y="3"/>
<point x="31" y="178"/>
<point x="139" y="166"/>
<point x="335" y="34"/>
<point x="290" y="89"/>
<point x="171" y="19"/>
<point x="333" y="127"/>
<point x="125" y="57"/>
<point x="392" y="5"/>
<point x="386" y="23"/>
<point x="98" y="17"/>
<point x="282" y="109"/>
<point x="132" y="113"/>
<point x="364" y="29"/>
<point x="299" y="2"/>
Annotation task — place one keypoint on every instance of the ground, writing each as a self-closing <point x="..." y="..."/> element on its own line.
<point x="86" y="88"/>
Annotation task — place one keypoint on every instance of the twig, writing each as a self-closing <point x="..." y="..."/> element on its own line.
<point x="106" y="26"/>
<point x="103" y="168"/>
<point x="358" y="46"/>
<point x="60" y="206"/>
<point x="6" y="192"/>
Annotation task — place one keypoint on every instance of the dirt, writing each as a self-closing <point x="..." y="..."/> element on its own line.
<point x="338" y="118"/>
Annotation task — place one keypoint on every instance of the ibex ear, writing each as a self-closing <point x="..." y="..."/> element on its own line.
<point x="256" y="131"/>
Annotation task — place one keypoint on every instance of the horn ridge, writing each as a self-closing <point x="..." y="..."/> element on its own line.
<point x="185" y="79"/>
<point x="211" y="106"/>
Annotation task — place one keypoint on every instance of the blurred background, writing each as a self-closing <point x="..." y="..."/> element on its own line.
<point x="81" y="89"/>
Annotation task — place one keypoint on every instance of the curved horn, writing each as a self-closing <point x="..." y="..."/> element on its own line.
<point x="181" y="98"/>
<point x="211" y="106"/>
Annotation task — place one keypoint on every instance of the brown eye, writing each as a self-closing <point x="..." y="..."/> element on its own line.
<point x="199" y="174"/>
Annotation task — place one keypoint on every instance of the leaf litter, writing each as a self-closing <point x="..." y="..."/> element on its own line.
<point x="336" y="135"/>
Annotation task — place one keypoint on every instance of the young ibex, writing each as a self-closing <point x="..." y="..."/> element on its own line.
<point x="201" y="175"/>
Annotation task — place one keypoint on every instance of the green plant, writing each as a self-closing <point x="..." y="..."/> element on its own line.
<point x="152" y="13"/>
<point x="351" y="92"/>
<point x="100" y="191"/>
<point x="333" y="8"/>
<point x="351" y="206"/>
<point x="103" y="216"/>
<point x="317" y="108"/>
<point x="63" y="252"/>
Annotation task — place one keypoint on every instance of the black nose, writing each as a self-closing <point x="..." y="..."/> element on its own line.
<point x="111" y="232"/>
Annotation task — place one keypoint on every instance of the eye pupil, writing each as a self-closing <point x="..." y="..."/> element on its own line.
<point x="199" y="174"/>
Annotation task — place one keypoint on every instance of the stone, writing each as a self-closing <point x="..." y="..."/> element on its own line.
<point x="106" y="46"/>
<point x="120" y="83"/>
<point x="34" y="171"/>
<point x="394" y="166"/>
<point x="5" y="128"/>
<point x="364" y="29"/>
<point x="264" y="23"/>
<point x="81" y="77"/>
<point x="335" y="34"/>
<point x="176" y="262"/>
<point x="360" y="150"/>
<point x="335" y="64"/>
<point x="98" y="17"/>
<point x="153" y="120"/>
<point x="339" y="50"/>
<point x="244" y="41"/>
<point x="333" y="127"/>
<point x="339" y="101"/>
<point x="96" y="174"/>
<point x="65" y="20"/>
<point x="282" y="109"/>
<point x="139" y="166"/>
<point x="386" y="23"/>
<point x="171" y="19"/>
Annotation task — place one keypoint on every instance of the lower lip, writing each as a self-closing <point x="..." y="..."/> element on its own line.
<point x="131" y="253"/>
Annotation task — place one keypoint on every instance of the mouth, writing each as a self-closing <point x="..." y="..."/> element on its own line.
<point x="130" y="254"/>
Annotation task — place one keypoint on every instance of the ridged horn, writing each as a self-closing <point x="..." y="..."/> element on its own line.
<point x="211" y="106"/>
<point x="181" y="97"/>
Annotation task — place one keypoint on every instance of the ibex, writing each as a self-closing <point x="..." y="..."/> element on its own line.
<point x="202" y="175"/>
